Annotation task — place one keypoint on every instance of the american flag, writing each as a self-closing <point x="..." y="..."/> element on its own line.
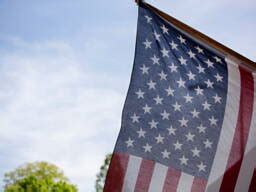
<point x="189" y="120"/>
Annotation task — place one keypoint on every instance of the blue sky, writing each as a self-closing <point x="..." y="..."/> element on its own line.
<point x="65" y="68"/>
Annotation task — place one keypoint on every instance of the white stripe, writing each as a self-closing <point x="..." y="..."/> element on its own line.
<point x="158" y="178"/>
<point x="228" y="128"/>
<point x="185" y="183"/>
<point x="249" y="160"/>
<point x="131" y="174"/>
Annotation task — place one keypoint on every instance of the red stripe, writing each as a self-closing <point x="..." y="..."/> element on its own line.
<point x="198" y="185"/>
<point x="144" y="176"/>
<point x="241" y="132"/>
<point x="171" y="180"/>
<point x="116" y="172"/>
<point x="253" y="182"/>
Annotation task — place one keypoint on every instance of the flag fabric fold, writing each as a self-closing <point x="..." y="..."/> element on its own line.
<point x="189" y="120"/>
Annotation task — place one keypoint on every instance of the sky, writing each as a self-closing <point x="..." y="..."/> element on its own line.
<point x="65" y="68"/>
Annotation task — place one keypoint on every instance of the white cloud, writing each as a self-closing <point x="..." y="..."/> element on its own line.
<point x="56" y="109"/>
<point x="231" y="22"/>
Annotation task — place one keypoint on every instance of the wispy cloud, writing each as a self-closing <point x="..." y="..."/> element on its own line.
<point x="55" y="109"/>
<point x="231" y="22"/>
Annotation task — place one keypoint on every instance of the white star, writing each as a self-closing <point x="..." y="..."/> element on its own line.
<point x="166" y="154"/>
<point x="177" y="145"/>
<point x="190" y="137"/>
<point x="177" y="107"/>
<point x="148" y="18"/>
<point x="201" y="167"/>
<point x="152" y="85"/>
<point x="195" y="152"/>
<point x="188" y="98"/>
<point x="191" y="54"/>
<point x="183" y="160"/>
<point x="191" y="76"/>
<point x="129" y="142"/>
<point x="182" y="61"/>
<point x="200" y="69"/>
<point x="165" y="52"/>
<point x="218" y="77"/>
<point x="135" y="118"/>
<point x="159" y="139"/>
<point x="207" y="144"/>
<point x="217" y="99"/>
<point x="201" y="128"/>
<point x="181" y="83"/>
<point x="199" y="50"/>
<point x="213" y="121"/>
<point x="171" y="131"/>
<point x="153" y="124"/>
<point x="206" y="106"/>
<point x="209" y="83"/>
<point x="144" y="69"/>
<point x="218" y="60"/>
<point x="155" y="60"/>
<point x="182" y="40"/>
<point x="140" y="94"/>
<point x="209" y="63"/>
<point x="158" y="100"/>
<point x="173" y="67"/>
<point x="174" y="45"/>
<point x="147" y="44"/>
<point x="147" y="148"/>
<point x="165" y="115"/>
<point x="157" y="36"/>
<point x="162" y="75"/>
<point x="170" y="91"/>
<point x="147" y="109"/>
<point x="195" y="113"/>
<point x="199" y="91"/>
<point x="141" y="133"/>
<point x="165" y="30"/>
<point x="183" y="122"/>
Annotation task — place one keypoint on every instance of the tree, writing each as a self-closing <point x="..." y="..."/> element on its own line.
<point x="101" y="176"/>
<point x="37" y="177"/>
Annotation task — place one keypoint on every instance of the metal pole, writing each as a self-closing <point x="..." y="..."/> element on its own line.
<point x="139" y="1"/>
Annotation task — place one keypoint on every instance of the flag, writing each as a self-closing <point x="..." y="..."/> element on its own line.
<point x="189" y="119"/>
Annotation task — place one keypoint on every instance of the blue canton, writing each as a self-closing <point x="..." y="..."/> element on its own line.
<point x="175" y="105"/>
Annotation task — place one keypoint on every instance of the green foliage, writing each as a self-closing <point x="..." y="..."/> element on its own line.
<point x="37" y="177"/>
<point x="102" y="174"/>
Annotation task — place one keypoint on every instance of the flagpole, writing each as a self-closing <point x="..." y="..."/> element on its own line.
<point x="240" y="59"/>
<point x="138" y="2"/>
